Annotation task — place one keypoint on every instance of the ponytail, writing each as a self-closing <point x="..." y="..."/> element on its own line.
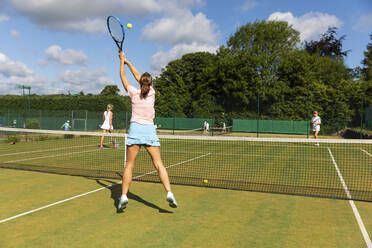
<point x="145" y="82"/>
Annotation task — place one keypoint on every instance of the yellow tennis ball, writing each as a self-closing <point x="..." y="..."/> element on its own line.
<point x="129" y="25"/>
<point x="205" y="181"/>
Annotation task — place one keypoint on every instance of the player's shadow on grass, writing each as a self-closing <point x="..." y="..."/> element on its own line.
<point x="116" y="193"/>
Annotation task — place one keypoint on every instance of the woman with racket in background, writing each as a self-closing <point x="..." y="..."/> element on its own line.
<point x="315" y="121"/>
<point x="142" y="130"/>
<point x="107" y="125"/>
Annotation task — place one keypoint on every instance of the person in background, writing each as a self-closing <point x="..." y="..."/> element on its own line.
<point x="316" y="121"/>
<point x="66" y="126"/>
<point x="107" y="125"/>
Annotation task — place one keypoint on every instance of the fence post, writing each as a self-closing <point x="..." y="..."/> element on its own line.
<point x="72" y="120"/>
<point x="86" y="120"/>
<point x="361" y="117"/>
<point x="258" y="115"/>
<point x="307" y="121"/>
<point x="174" y="123"/>
<point x="41" y="118"/>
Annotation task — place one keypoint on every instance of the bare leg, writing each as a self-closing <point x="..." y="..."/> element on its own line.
<point x="102" y="138"/>
<point x="113" y="139"/>
<point x="316" y="134"/>
<point x="154" y="152"/>
<point x="316" y="137"/>
<point x="132" y="152"/>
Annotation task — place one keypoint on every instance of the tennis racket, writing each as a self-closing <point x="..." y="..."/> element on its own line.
<point x="116" y="30"/>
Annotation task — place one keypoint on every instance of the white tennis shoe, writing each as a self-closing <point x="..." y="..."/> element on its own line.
<point x="172" y="201"/>
<point x="123" y="202"/>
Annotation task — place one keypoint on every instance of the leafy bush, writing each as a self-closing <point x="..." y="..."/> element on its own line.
<point x="13" y="139"/>
<point x="68" y="136"/>
<point x="33" y="124"/>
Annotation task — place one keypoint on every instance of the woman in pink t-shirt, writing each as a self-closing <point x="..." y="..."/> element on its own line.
<point x="142" y="130"/>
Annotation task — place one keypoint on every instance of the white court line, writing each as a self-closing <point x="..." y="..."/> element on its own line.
<point x="369" y="154"/>
<point x="47" y="150"/>
<point x="93" y="191"/>
<point x="352" y="204"/>
<point x="51" y="156"/>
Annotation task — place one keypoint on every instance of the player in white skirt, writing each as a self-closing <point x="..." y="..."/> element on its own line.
<point x="315" y="121"/>
<point x="107" y="125"/>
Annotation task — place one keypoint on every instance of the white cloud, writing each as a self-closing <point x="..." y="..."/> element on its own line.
<point x="65" y="57"/>
<point x="87" y="25"/>
<point x="10" y="67"/>
<point x="161" y="59"/>
<point x="13" y="73"/>
<point x="310" y="25"/>
<point x="14" y="33"/>
<point x="89" y="81"/>
<point x="90" y="16"/>
<point x="364" y="23"/>
<point x="247" y="5"/>
<point x="83" y="15"/>
<point x="4" y="18"/>
<point x="181" y="28"/>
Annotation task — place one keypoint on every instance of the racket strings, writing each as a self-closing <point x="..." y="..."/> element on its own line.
<point x="116" y="29"/>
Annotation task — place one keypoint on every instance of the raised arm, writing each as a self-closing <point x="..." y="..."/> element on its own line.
<point x="135" y="72"/>
<point x="124" y="79"/>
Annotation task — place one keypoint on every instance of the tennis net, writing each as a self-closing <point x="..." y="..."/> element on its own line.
<point x="336" y="168"/>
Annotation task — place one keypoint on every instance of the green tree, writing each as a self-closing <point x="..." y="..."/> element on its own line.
<point x="110" y="90"/>
<point x="263" y="43"/>
<point x="328" y="45"/>
<point x="310" y="82"/>
<point x="181" y="88"/>
<point x="366" y="70"/>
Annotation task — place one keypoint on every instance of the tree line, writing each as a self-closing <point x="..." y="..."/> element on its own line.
<point x="263" y="72"/>
<point x="97" y="103"/>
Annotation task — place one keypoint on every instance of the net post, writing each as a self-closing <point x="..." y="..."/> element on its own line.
<point x="125" y="151"/>
<point x="126" y="121"/>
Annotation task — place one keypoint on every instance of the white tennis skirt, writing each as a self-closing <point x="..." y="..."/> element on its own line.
<point x="316" y="128"/>
<point x="106" y="126"/>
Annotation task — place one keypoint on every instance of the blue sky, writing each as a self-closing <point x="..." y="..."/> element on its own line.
<point x="57" y="46"/>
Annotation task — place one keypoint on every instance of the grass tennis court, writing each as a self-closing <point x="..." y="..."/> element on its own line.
<point x="207" y="217"/>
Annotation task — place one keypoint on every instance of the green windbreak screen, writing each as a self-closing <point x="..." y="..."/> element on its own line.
<point x="271" y="126"/>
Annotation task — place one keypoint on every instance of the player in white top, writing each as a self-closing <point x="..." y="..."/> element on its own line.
<point x="66" y="126"/>
<point x="315" y="121"/>
<point x="107" y="125"/>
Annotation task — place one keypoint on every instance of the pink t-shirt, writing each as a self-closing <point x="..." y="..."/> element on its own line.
<point x="143" y="111"/>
